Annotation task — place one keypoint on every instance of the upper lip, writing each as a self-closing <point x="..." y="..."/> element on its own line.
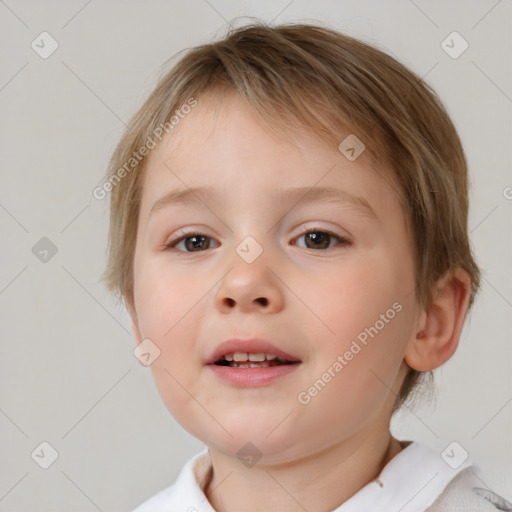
<point x="248" y="346"/>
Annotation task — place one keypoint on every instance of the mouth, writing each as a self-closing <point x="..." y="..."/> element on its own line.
<point x="252" y="360"/>
<point x="249" y="353"/>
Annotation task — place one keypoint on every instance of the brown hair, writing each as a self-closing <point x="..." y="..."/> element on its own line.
<point x="327" y="82"/>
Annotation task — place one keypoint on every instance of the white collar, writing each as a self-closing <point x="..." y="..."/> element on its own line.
<point x="410" y="482"/>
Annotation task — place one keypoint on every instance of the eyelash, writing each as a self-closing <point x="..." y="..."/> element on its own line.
<point x="344" y="242"/>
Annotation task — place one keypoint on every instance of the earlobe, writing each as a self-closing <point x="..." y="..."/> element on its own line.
<point x="136" y="331"/>
<point x="135" y="322"/>
<point x="438" y="331"/>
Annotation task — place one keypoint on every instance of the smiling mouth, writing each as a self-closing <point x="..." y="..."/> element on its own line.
<point x="246" y="360"/>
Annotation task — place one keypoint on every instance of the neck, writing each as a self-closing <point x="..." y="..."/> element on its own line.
<point x="320" y="482"/>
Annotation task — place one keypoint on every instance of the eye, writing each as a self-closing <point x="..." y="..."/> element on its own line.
<point x="318" y="238"/>
<point x="193" y="242"/>
<point x="315" y="238"/>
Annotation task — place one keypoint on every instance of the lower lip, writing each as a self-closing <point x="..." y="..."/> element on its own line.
<point x="252" y="377"/>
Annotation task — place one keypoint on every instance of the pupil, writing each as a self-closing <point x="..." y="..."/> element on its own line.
<point x="317" y="239"/>
<point x="194" y="239"/>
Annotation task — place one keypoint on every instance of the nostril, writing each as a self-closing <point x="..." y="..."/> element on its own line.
<point x="231" y="302"/>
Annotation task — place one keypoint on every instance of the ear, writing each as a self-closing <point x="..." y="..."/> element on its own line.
<point x="135" y="321"/>
<point x="439" y="326"/>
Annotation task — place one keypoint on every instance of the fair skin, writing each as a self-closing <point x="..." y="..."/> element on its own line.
<point x="311" y="300"/>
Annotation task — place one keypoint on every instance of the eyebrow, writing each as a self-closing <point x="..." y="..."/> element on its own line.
<point x="293" y="195"/>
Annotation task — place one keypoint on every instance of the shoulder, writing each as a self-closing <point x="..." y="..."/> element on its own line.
<point x="466" y="491"/>
<point x="436" y="482"/>
<point x="159" y="501"/>
<point x="186" y="493"/>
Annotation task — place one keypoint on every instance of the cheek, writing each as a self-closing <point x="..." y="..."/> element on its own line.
<point x="163" y="297"/>
<point x="353" y="381"/>
<point x="172" y="326"/>
<point x="351" y="299"/>
<point x="168" y="306"/>
<point x="365" y="321"/>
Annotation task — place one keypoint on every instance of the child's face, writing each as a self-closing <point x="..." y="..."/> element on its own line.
<point x="307" y="294"/>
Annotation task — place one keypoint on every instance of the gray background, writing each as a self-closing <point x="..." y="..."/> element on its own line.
<point x="68" y="375"/>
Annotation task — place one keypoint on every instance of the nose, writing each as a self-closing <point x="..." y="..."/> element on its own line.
<point x="250" y="287"/>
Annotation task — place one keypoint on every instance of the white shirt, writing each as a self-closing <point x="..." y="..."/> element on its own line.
<point x="410" y="482"/>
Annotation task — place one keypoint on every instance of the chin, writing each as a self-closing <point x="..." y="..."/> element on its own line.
<point x="256" y="450"/>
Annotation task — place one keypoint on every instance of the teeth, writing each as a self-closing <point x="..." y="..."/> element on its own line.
<point x="244" y="356"/>
<point x="263" y="364"/>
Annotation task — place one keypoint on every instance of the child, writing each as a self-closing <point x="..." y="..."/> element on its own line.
<point x="289" y="234"/>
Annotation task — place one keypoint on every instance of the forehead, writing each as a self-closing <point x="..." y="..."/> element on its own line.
<point x="222" y="143"/>
<point x="223" y="123"/>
